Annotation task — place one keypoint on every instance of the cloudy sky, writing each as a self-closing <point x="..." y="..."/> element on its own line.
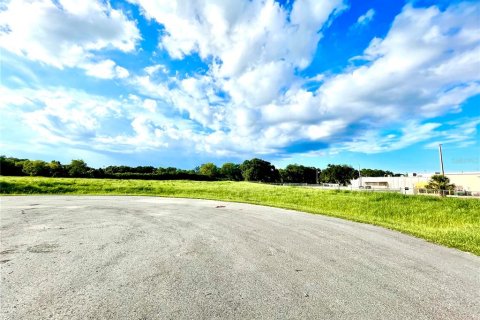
<point x="164" y="83"/>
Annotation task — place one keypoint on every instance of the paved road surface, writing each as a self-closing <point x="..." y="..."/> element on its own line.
<point x="153" y="258"/>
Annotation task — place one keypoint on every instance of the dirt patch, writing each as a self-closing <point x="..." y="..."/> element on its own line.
<point x="7" y="251"/>
<point x="43" y="248"/>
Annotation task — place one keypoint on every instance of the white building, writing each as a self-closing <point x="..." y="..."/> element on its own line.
<point x="405" y="184"/>
<point x="467" y="181"/>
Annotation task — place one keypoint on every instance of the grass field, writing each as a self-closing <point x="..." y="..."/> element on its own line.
<point x="451" y="222"/>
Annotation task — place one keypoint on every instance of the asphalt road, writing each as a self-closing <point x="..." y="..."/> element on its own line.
<point x="155" y="258"/>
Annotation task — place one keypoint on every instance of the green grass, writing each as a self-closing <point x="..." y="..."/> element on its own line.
<point x="451" y="222"/>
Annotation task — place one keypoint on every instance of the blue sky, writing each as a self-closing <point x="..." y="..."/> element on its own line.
<point x="374" y="84"/>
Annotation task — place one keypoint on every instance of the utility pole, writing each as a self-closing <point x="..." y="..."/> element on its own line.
<point x="359" y="177"/>
<point x="441" y="158"/>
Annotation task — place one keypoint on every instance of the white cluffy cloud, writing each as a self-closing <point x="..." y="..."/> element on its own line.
<point x="255" y="47"/>
<point x="67" y="33"/>
<point x="75" y="118"/>
<point x="252" y="99"/>
<point x="151" y="70"/>
<point x="106" y="69"/>
<point x="366" y="18"/>
<point x="426" y="66"/>
<point x="241" y="35"/>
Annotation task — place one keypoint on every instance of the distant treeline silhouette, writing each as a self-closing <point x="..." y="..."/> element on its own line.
<point x="250" y="170"/>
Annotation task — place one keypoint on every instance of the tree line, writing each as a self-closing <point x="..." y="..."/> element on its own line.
<point x="250" y="170"/>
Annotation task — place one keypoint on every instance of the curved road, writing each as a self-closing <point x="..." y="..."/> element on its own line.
<point x="157" y="258"/>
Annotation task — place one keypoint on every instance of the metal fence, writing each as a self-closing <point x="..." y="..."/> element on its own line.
<point x="407" y="191"/>
<point x="453" y="193"/>
<point x="333" y="186"/>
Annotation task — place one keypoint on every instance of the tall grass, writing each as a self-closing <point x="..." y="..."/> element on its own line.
<point x="451" y="222"/>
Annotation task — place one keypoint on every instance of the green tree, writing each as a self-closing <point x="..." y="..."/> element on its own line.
<point x="231" y="171"/>
<point x="375" y="173"/>
<point x="209" y="169"/>
<point x="78" y="168"/>
<point x="11" y="166"/>
<point x="259" y="170"/>
<point x="295" y="173"/>
<point x="341" y="174"/>
<point x="56" y="169"/>
<point x="144" y="169"/>
<point x="36" y="168"/>
<point x="440" y="183"/>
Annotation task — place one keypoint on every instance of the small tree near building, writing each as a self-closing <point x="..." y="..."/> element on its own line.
<point x="441" y="184"/>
